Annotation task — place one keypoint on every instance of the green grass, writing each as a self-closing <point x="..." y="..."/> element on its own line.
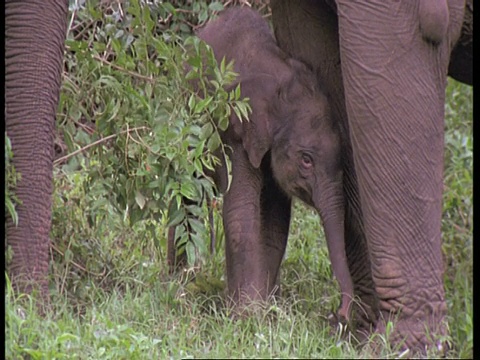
<point x="112" y="296"/>
<point x="457" y="221"/>
<point x="163" y="322"/>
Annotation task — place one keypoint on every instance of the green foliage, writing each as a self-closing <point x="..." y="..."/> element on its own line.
<point x="457" y="219"/>
<point x="152" y="102"/>
<point x="11" y="178"/>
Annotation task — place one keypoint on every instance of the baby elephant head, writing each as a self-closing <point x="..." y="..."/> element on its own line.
<point x="306" y="148"/>
<point x="291" y="121"/>
<point x="306" y="162"/>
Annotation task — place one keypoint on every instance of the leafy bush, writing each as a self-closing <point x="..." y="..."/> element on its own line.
<point x="140" y="113"/>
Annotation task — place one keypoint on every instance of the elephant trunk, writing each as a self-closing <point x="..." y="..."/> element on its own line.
<point x="332" y="213"/>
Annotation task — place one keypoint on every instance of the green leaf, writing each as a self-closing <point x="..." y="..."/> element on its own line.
<point x="176" y="216"/>
<point x="181" y="240"/>
<point x="222" y="65"/>
<point x="200" y="242"/>
<point x="140" y="199"/>
<point x="197" y="153"/>
<point x="188" y="190"/>
<point x="66" y="337"/>
<point x="216" y="6"/>
<point x="223" y="123"/>
<point x="238" y="92"/>
<point x="196" y="225"/>
<point x="207" y="130"/>
<point x="11" y="210"/>
<point x="197" y="164"/>
<point x="191" y="102"/>
<point x="67" y="137"/>
<point x="192" y="74"/>
<point x="76" y="45"/>
<point x="202" y="104"/>
<point x="195" y="61"/>
<point x="147" y="20"/>
<point x="190" y="249"/>
<point x="213" y="142"/>
<point x="229" y="171"/>
<point x="241" y="110"/>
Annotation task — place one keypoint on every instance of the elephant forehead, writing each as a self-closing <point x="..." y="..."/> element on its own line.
<point x="319" y="135"/>
<point x="313" y="123"/>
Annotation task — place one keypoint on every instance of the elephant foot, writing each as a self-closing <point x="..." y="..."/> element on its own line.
<point x="241" y="305"/>
<point x="410" y="337"/>
<point x="256" y="309"/>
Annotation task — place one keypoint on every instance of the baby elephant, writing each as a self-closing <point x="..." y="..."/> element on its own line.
<point x="290" y="147"/>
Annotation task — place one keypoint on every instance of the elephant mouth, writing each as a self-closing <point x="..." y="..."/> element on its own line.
<point x="305" y="196"/>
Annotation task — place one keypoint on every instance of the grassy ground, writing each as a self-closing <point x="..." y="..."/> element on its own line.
<point x="120" y="302"/>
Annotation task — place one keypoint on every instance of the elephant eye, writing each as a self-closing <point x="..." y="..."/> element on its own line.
<point x="307" y="161"/>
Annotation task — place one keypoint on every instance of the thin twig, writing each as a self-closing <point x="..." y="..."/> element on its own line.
<point x="193" y="26"/>
<point x="65" y="77"/>
<point x="141" y="142"/>
<point x="460" y="213"/>
<point x="459" y="228"/>
<point x="74" y="13"/>
<point x="85" y="127"/>
<point x="84" y="30"/>
<point x="63" y="158"/>
<point x="166" y="20"/>
<point x="78" y="265"/>
<point x="126" y="149"/>
<point x="119" y="68"/>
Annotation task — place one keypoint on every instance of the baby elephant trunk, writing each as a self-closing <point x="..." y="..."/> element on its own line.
<point x="332" y="213"/>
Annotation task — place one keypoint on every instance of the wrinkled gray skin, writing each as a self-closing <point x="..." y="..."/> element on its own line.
<point x="384" y="64"/>
<point x="289" y="147"/>
<point x="34" y="41"/>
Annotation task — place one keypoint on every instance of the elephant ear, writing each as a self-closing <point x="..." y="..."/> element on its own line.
<point x="256" y="133"/>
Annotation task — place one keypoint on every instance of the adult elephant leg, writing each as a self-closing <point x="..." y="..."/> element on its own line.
<point x="246" y="266"/>
<point x="394" y="59"/>
<point x="276" y="209"/>
<point x="34" y="42"/>
<point x="295" y="22"/>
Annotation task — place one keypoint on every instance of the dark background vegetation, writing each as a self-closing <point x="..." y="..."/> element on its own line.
<point x="133" y="141"/>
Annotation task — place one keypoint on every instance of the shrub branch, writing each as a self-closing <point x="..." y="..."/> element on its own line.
<point x="76" y="152"/>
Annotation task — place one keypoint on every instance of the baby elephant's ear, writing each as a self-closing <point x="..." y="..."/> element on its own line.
<point x="256" y="133"/>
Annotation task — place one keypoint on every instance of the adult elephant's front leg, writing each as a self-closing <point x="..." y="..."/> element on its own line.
<point x="308" y="30"/>
<point x="246" y="266"/>
<point x="394" y="58"/>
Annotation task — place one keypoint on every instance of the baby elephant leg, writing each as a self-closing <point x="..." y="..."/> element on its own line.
<point x="244" y="252"/>
<point x="276" y="211"/>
